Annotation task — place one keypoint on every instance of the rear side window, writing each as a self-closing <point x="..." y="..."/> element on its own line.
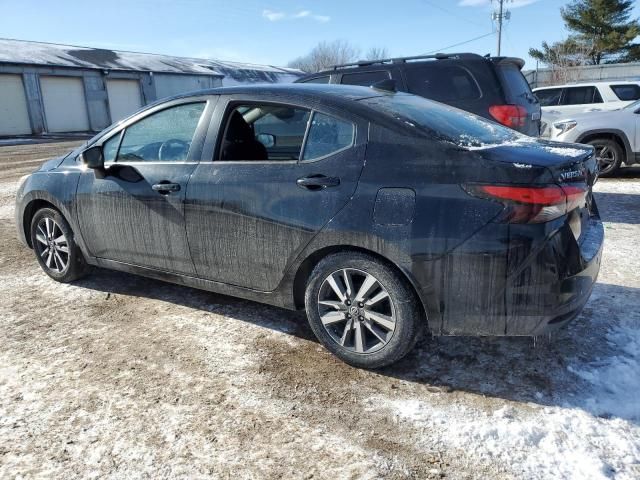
<point x="443" y="83"/>
<point x="549" y="97"/>
<point x="327" y="135"/>
<point x="626" y="93"/>
<point x="515" y="81"/>
<point x="581" y="96"/>
<point x="365" y="79"/>
<point x="324" y="79"/>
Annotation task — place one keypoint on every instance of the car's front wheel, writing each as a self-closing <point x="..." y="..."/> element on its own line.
<point x="362" y="310"/>
<point x="55" y="247"/>
<point x="609" y="155"/>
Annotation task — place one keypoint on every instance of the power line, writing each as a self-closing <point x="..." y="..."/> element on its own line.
<point x="458" y="44"/>
<point x="449" y="12"/>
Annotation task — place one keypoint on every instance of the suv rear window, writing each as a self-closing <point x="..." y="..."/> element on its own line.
<point x="365" y="79"/>
<point x="442" y="83"/>
<point x="514" y="79"/>
<point x="549" y="97"/>
<point x="581" y="96"/>
<point x="443" y="122"/>
<point x="626" y="92"/>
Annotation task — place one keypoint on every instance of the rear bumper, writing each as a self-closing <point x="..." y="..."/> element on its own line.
<point x="525" y="281"/>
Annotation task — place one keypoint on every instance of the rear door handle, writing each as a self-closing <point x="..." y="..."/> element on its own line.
<point x="165" y="187"/>
<point x="318" y="182"/>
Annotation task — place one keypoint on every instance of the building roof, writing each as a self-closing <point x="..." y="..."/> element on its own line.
<point x="55" y="55"/>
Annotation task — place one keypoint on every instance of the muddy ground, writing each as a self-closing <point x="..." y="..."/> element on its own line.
<point x="123" y="377"/>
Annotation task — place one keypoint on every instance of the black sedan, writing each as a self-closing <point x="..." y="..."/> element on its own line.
<point x="380" y="213"/>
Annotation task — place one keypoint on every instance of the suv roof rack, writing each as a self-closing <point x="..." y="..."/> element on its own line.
<point x="437" y="56"/>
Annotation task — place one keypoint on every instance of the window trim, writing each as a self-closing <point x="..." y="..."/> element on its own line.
<point x="210" y="102"/>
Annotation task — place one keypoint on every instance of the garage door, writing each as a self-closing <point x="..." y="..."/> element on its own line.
<point x="124" y="98"/>
<point x="65" y="108"/>
<point x="14" y="117"/>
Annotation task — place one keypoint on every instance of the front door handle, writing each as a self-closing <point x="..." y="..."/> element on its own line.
<point x="165" y="187"/>
<point x="318" y="182"/>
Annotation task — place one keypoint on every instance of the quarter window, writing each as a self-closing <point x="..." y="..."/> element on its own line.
<point x="327" y="135"/>
<point x="442" y="83"/>
<point x="110" y="148"/>
<point x="164" y="136"/>
<point x="626" y="93"/>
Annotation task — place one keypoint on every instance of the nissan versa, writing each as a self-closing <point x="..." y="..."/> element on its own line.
<point x="380" y="213"/>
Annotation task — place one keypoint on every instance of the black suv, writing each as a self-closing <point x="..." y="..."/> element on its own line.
<point x="492" y="87"/>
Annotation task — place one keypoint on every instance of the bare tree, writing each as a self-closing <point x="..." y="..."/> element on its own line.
<point x="325" y="55"/>
<point x="561" y="58"/>
<point x="376" y="53"/>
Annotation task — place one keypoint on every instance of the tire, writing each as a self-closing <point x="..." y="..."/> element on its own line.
<point x="374" y="332"/>
<point x="611" y="162"/>
<point x="65" y="263"/>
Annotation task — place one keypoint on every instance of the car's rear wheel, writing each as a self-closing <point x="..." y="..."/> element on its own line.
<point x="609" y="155"/>
<point x="362" y="310"/>
<point x="55" y="247"/>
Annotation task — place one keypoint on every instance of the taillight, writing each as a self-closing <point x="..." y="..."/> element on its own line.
<point x="531" y="204"/>
<point x="512" y="116"/>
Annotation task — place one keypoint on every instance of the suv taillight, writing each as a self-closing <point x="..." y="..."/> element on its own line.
<point x="531" y="204"/>
<point x="512" y="116"/>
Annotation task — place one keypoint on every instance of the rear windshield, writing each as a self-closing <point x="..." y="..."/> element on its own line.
<point x="443" y="121"/>
<point x="515" y="81"/>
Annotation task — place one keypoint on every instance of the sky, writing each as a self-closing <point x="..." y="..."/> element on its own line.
<point x="277" y="31"/>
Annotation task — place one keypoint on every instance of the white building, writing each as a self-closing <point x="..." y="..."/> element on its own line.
<point x="50" y="88"/>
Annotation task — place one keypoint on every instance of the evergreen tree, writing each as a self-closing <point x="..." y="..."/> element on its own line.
<point x="604" y="28"/>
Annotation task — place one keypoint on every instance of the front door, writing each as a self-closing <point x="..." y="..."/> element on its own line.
<point x="133" y="211"/>
<point x="280" y="173"/>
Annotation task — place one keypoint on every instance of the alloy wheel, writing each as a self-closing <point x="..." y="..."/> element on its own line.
<point x="606" y="158"/>
<point x="52" y="245"/>
<point x="356" y="310"/>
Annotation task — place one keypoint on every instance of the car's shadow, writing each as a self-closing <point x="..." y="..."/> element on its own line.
<point x="517" y="369"/>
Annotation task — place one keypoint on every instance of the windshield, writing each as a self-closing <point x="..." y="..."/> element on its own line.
<point x="633" y="105"/>
<point x="443" y="121"/>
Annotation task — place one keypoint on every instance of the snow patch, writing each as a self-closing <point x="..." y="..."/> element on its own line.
<point x="551" y="442"/>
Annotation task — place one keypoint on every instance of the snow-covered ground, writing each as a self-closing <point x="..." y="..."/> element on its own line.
<point x="122" y="377"/>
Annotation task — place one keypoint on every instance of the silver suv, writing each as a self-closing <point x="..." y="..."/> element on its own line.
<point x="614" y="134"/>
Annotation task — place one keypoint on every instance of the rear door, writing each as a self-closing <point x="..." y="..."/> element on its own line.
<point x="249" y="216"/>
<point x="518" y="92"/>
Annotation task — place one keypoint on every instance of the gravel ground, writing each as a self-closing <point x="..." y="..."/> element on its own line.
<point x="123" y="377"/>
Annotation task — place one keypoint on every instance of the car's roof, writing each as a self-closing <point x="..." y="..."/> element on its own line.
<point x="590" y="84"/>
<point x="320" y="91"/>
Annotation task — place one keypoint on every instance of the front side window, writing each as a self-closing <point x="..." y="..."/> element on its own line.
<point x="581" y="96"/>
<point x="264" y="132"/>
<point x="549" y="97"/>
<point x="164" y="136"/>
<point x="626" y="93"/>
<point x="327" y="135"/>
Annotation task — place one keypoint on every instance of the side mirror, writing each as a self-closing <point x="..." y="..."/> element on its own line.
<point x="93" y="158"/>
<point x="266" y="139"/>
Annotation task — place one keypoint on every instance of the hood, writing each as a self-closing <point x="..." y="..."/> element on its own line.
<point x="52" y="163"/>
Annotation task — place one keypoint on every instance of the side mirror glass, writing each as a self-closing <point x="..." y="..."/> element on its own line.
<point x="266" y="139"/>
<point x="93" y="158"/>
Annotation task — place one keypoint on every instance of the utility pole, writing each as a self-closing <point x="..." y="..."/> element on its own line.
<point x="500" y="15"/>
